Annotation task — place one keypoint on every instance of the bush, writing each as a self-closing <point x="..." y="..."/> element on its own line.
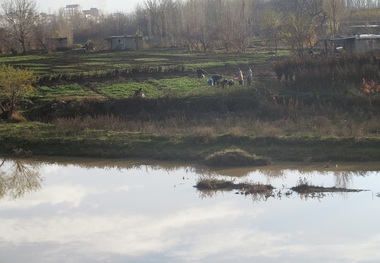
<point x="13" y="84"/>
<point x="235" y="157"/>
<point x="328" y="73"/>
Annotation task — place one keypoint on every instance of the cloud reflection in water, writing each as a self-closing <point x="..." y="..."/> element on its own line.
<point x="98" y="215"/>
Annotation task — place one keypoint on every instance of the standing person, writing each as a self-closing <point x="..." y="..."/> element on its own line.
<point x="240" y="76"/>
<point x="249" y="76"/>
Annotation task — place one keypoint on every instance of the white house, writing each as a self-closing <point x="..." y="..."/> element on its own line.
<point x="128" y="42"/>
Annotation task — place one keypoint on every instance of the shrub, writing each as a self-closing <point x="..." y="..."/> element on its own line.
<point x="235" y="157"/>
<point x="13" y="84"/>
<point x="328" y="73"/>
<point x="371" y="89"/>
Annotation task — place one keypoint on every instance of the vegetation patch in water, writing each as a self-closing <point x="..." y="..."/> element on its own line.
<point x="205" y="184"/>
<point x="304" y="187"/>
<point x="235" y="157"/>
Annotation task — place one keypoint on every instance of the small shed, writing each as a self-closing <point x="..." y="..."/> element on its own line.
<point x="58" y="43"/>
<point x="358" y="43"/>
<point x="131" y="42"/>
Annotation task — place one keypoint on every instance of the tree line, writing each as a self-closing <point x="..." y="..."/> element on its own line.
<point x="198" y="25"/>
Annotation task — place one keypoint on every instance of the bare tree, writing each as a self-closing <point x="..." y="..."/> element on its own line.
<point x="154" y="18"/>
<point x="171" y="21"/>
<point x="42" y="34"/>
<point x="242" y="23"/>
<point x="5" y="42"/>
<point x="21" y="16"/>
<point x="334" y="10"/>
<point x="271" y="26"/>
<point x="195" y="25"/>
<point x="229" y="22"/>
<point x="304" y="22"/>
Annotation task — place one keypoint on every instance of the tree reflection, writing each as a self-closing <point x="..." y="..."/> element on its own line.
<point x="343" y="179"/>
<point x="20" y="178"/>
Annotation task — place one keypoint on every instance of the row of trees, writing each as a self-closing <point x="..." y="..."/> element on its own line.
<point x="197" y="24"/>
<point x="231" y="24"/>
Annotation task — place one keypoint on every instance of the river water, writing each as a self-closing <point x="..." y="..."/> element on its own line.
<point x="133" y="211"/>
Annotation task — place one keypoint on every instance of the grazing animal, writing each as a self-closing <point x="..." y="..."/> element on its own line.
<point x="201" y="73"/>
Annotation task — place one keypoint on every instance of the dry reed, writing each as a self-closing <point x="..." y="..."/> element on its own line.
<point x="242" y="125"/>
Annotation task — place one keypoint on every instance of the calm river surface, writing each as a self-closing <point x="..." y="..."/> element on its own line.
<point x="124" y="211"/>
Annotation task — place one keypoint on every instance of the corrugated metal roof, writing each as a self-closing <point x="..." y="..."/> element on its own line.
<point x="116" y="37"/>
<point x="359" y="36"/>
<point x="365" y="26"/>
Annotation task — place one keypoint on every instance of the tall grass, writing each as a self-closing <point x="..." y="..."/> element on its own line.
<point x="208" y="127"/>
<point x="328" y="73"/>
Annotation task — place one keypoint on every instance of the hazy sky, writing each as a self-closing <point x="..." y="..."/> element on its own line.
<point x="107" y="6"/>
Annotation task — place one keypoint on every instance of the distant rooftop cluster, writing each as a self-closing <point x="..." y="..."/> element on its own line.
<point x="70" y="10"/>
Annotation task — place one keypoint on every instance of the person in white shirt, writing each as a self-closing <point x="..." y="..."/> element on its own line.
<point x="249" y="76"/>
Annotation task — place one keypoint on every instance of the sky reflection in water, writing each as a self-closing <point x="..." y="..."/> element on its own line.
<point x="152" y="213"/>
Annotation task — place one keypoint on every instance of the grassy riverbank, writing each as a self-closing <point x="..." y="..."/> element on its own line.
<point x="46" y="139"/>
<point x="86" y="108"/>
